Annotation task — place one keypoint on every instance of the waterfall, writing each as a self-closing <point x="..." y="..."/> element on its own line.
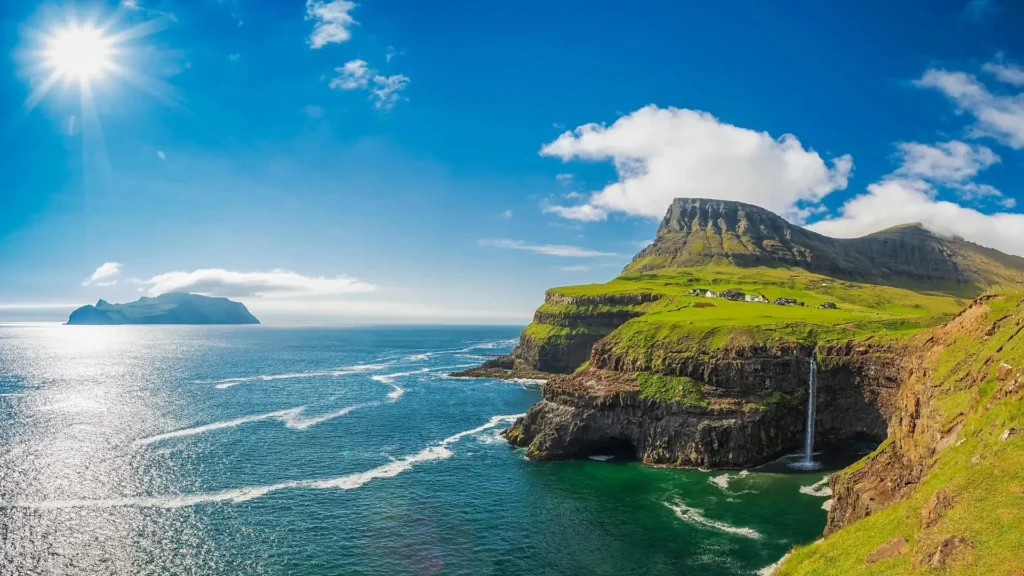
<point x="811" y="391"/>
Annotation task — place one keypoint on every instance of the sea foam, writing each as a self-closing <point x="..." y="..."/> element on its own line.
<point x="291" y="417"/>
<point x="696" y="517"/>
<point x="820" y="489"/>
<point x="230" y="382"/>
<point x="438" y="451"/>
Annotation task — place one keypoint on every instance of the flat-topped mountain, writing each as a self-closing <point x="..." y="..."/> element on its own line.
<point x="170" y="308"/>
<point x="697" y="232"/>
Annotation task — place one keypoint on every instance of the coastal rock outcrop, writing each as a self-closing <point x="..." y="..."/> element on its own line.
<point x="747" y="405"/>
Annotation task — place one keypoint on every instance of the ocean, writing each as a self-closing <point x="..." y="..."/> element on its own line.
<point x="337" y="450"/>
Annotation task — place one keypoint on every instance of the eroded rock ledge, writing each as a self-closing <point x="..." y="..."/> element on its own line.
<point x="751" y="405"/>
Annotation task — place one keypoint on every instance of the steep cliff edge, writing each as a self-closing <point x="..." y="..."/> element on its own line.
<point x="739" y="406"/>
<point x="948" y="483"/>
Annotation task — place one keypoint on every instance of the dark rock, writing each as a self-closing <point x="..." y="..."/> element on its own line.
<point x="1004" y="372"/>
<point x="601" y="407"/>
<point x="940" y="502"/>
<point x="938" y="554"/>
<point x="895" y="547"/>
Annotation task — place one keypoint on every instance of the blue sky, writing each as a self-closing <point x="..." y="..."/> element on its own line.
<point x="398" y="161"/>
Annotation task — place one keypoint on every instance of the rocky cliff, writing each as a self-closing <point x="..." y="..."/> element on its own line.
<point x="945" y="491"/>
<point x="742" y="405"/>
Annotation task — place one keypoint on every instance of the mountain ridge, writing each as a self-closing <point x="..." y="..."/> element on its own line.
<point x="699" y="231"/>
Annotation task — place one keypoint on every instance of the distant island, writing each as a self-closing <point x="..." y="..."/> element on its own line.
<point x="170" y="308"/>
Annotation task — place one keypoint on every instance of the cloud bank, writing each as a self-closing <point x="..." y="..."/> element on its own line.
<point x="665" y="153"/>
<point x="273" y="284"/>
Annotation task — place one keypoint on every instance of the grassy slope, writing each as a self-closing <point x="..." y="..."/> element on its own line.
<point x="680" y="321"/>
<point x="989" y="492"/>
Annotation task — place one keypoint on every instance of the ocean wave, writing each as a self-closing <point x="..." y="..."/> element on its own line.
<point x="528" y="381"/>
<point x="389" y="379"/>
<point x="820" y="489"/>
<point x="229" y="382"/>
<point x="418" y="357"/>
<point x="438" y="451"/>
<point x="696" y="517"/>
<point x="601" y="458"/>
<point x="769" y="570"/>
<point x="291" y="418"/>
<point x="723" y="481"/>
<point x="505" y="343"/>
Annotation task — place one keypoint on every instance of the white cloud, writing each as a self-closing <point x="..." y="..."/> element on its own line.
<point x="353" y="75"/>
<point x="662" y="154"/>
<point x="506" y="214"/>
<point x="895" y="201"/>
<point x="1000" y="117"/>
<point x="582" y="212"/>
<point x="565" y="178"/>
<point x="313" y="111"/>
<point x="333" y="22"/>
<point x="547" y="249"/>
<point x="948" y="162"/>
<point x="386" y="90"/>
<point x="276" y="283"/>
<point x="357" y="75"/>
<point x="130" y="4"/>
<point x="951" y="165"/>
<point x="105" y="275"/>
<point x="160" y="154"/>
<point x="575" y="268"/>
<point x="234" y="57"/>
<point x="1006" y="72"/>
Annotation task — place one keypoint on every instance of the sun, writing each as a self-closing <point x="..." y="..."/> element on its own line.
<point x="79" y="51"/>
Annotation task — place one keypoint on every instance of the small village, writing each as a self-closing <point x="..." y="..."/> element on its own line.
<point x="740" y="296"/>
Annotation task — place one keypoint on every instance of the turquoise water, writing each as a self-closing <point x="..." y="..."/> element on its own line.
<point x="316" y="451"/>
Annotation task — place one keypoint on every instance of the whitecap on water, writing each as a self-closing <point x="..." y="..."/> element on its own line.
<point x="291" y="417"/>
<point x="769" y="570"/>
<point x="720" y="481"/>
<point x="820" y="489"/>
<point x="230" y="382"/>
<point x="601" y="458"/>
<point x="438" y="451"/>
<point x="528" y="381"/>
<point x="696" y="517"/>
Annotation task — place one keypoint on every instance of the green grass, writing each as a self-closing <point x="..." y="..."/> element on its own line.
<point x="678" y="389"/>
<point x="677" y="322"/>
<point x="983" y="473"/>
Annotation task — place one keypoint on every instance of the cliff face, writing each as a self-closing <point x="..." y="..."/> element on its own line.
<point x="944" y="492"/>
<point x="565" y="328"/>
<point x="604" y="413"/>
<point x="748" y="405"/>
